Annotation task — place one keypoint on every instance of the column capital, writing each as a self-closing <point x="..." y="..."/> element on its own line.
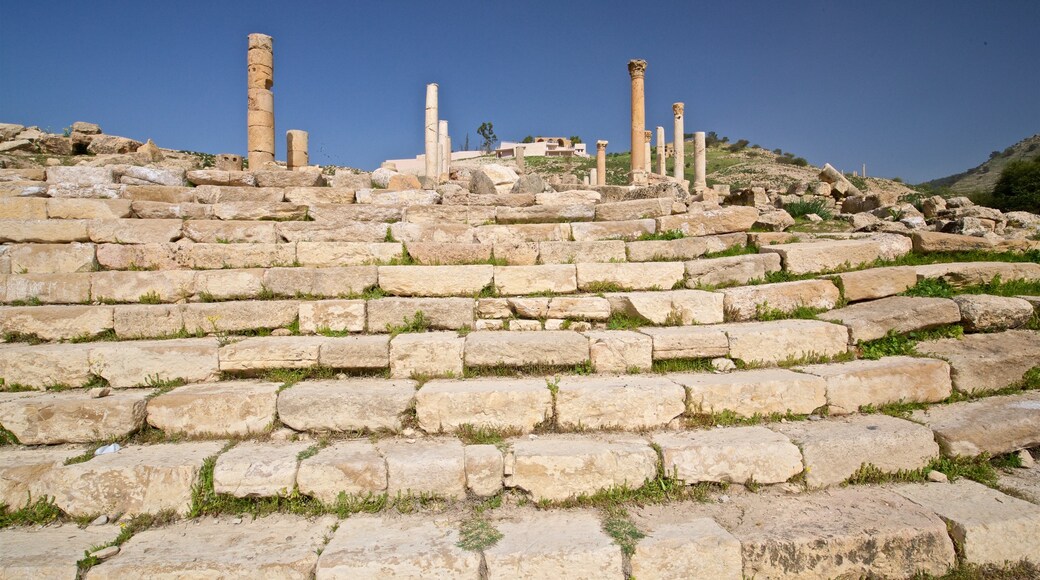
<point x="678" y="108"/>
<point x="637" y="68"/>
<point x="648" y="135"/>
<point x="601" y="145"/>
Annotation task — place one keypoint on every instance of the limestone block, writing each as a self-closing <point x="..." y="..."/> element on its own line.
<point x="435" y="466"/>
<point x="230" y="232"/>
<point x="731" y="270"/>
<point x="994" y="425"/>
<point x="496" y="234"/>
<point x="630" y="403"/>
<point x="97" y="191"/>
<point x="80" y="175"/>
<point x="213" y="285"/>
<point x="539" y="214"/>
<point x="834" y="449"/>
<point x="619" y="230"/>
<point x="749" y="302"/>
<point x="254" y="469"/>
<point x="274" y="546"/>
<point x="618" y="351"/>
<point x="734" y="455"/>
<point x="847" y="533"/>
<point x="339" y="213"/>
<point x="699" y="548"/>
<point x="333" y="315"/>
<point x="147" y="320"/>
<point x="221" y="177"/>
<point x="534" y="307"/>
<point x="579" y="308"/>
<point x="154" y="175"/>
<point x="23" y="468"/>
<point x="211" y="194"/>
<point x="228" y="409"/>
<point x="304" y="177"/>
<point x="158" y="193"/>
<point x="524" y="325"/>
<point x="23" y="189"/>
<point x="484" y="468"/>
<point x="445" y="405"/>
<point x="48" y="288"/>
<point x="56" y="322"/>
<point x="400" y="192"/>
<point x="137" y="256"/>
<point x="448" y="253"/>
<point x="355" y="352"/>
<point x="687" y="342"/>
<point x="634" y="209"/>
<point x="432" y="232"/>
<point x="49" y="552"/>
<point x="630" y="276"/>
<point x="569" y="197"/>
<point x="134" y="231"/>
<point x="90" y="209"/>
<point x="259" y="210"/>
<point x="713" y="221"/>
<point x="966" y="274"/>
<point x="313" y="195"/>
<point x="217" y="256"/>
<point x="426" y="354"/>
<point x="574" y="252"/>
<point x="332" y="254"/>
<point x="331" y="232"/>
<point x="18" y="208"/>
<point x="443" y="214"/>
<point x="168" y="286"/>
<point x="131" y="364"/>
<point x="554" y="545"/>
<point x="823" y="256"/>
<point x="673" y="307"/>
<point x="435" y="280"/>
<point x="495" y="307"/>
<point x="320" y="282"/>
<point x="73" y="417"/>
<point x="414" y="547"/>
<point x="45" y="365"/>
<point x="683" y="248"/>
<point x="893" y="379"/>
<point x="989" y="527"/>
<point x="51" y="258"/>
<point x="984" y="362"/>
<point x="346" y="405"/>
<point x="985" y="313"/>
<point x="555" y="348"/>
<point x="875" y="283"/>
<point x="555" y="278"/>
<point x="559" y="467"/>
<point x="783" y="340"/>
<point x="928" y="242"/>
<point x="136" y="480"/>
<point x="756" y="392"/>
<point x="898" y="314"/>
<point x="271" y="352"/>
<point x="18" y="231"/>
<point x="440" y="313"/>
<point x="350" y="467"/>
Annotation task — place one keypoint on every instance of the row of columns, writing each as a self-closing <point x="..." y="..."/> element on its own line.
<point x="438" y="141"/>
<point x="260" y="110"/>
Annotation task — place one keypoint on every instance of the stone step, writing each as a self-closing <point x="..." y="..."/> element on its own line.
<point x="994" y="425"/>
<point x="897" y="314"/>
<point x="986" y="362"/>
<point x="826" y="255"/>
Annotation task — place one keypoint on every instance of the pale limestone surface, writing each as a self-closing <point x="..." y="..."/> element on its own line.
<point x="713" y="221"/>
<point x="558" y="347"/>
<point x="217" y="256"/>
<point x="346" y="405"/>
<point x="134" y="231"/>
<point x="892" y="379"/>
<point x="833" y="449"/>
<point x="445" y="405"/>
<point x="730" y="270"/>
<point x="844" y="533"/>
<point x="556" y="278"/>
<point x="682" y="248"/>
<point x="331" y="254"/>
<point x="330" y="282"/>
<point x="438" y="253"/>
<point x="50" y="552"/>
<point x="1025" y="482"/>
<point x="560" y="467"/>
<point x="579" y="308"/>
<point x="631" y="276"/>
<point x="167" y="286"/>
<point x="484" y="468"/>
<point x="875" y="283"/>
<point x="734" y="455"/>
<point x="52" y="258"/>
<point x="408" y="548"/>
<point x="825" y="255"/>
<point x="633" y="209"/>
<point x="619" y="230"/>
<point x="440" y="313"/>
<point x="994" y="425"/>
<point x="74" y="416"/>
<point x="928" y="242"/>
<point x="989" y="526"/>
<point x="134" y="480"/>
<point x="235" y="232"/>
<point x="697" y="549"/>
<point x="228" y="284"/>
<point x="970" y="273"/>
<point x="275" y="546"/>
<point x="355" y="352"/>
<point x="49" y="288"/>
<point x="617" y="351"/>
<point x="784" y="339"/>
<point x="687" y="342"/>
<point x="898" y="314"/>
<point x="237" y="316"/>
<point x="687" y="306"/>
<point x="575" y="252"/>
<point x="984" y="362"/>
<point x="428" y="353"/>
<point x="43" y="231"/>
<point x="436" y="466"/>
<point x="271" y="352"/>
<point x="253" y="469"/>
<point x="334" y="315"/>
<point x="985" y="313"/>
<point x="626" y="402"/>
<point x="130" y="364"/>
<point x="747" y="302"/>
<point x="351" y="467"/>
<point x="569" y="544"/>
<point x="754" y="392"/>
<point x="23" y="468"/>
<point x="227" y="409"/>
<point x="435" y="280"/>
<point x="45" y="365"/>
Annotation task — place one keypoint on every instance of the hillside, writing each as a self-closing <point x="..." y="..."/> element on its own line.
<point x="983" y="177"/>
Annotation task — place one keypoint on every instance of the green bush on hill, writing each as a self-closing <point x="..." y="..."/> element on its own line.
<point x="1018" y="188"/>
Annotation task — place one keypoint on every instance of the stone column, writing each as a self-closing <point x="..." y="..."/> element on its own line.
<point x="260" y="102"/>
<point x="660" y="152"/>
<point x="296" y="149"/>
<point x="431" y="131"/>
<point x="601" y="162"/>
<point x="594" y="177"/>
<point x="700" y="181"/>
<point x="444" y="151"/>
<point x="637" y="71"/>
<point x="518" y="154"/>
<point x="647" y="137"/>
<point x="679" y="171"/>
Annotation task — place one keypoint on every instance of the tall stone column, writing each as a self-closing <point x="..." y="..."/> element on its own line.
<point x="444" y="151"/>
<point x="518" y="154"/>
<point x="700" y="162"/>
<point x="679" y="171"/>
<point x="594" y="177"/>
<point x="601" y="162"/>
<point x="637" y="71"/>
<point x="296" y="149"/>
<point x="431" y="131"/>
<point x="660" y="152"/>
<point x="647" y="137"/>
<point x="260" y="102"/>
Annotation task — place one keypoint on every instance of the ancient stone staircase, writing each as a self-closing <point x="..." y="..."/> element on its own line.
<point x="568" y="383"/>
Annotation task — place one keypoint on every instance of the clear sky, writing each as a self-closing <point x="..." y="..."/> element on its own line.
<point x="913" y="88"/>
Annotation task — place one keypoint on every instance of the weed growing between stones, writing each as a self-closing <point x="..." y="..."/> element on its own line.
<point x="618" y="525"/>
<point x="939" y="288"/>
<point x="623" y="321"/>
<point x="764" y="313"/>
<point x="803" y="208"/>
<point x="727" y="418"/>
<point x="483" y="435"/>
<point x="33" y="513"/>
<point x="416" y="323"/>
<point x="127" y="530"/>
<point x="905" y="344"/>
<point x="662" y="236"/>
<point x="477" y="534"/>
<point x="682" y="365"/>
<point x="1023" y="570"/>
<point x="734" y="251"/>
<point x="600" y="287"/>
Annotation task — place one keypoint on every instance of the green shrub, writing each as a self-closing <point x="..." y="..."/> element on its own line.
<point x="789" y="160"/>
<point x="1018" y="188"/>
<point x="808" y="206"/>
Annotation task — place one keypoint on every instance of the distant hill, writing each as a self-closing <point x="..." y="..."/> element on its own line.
<point x="984" y="177"/>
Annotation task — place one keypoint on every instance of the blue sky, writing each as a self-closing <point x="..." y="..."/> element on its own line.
<point x="917" y="89"/>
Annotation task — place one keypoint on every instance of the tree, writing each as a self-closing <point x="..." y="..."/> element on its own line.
<point x="487" y="133"/>
<point x="575" y="139"/>
<point x="528" y="139"/>
<point x="1018" y="188"/>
